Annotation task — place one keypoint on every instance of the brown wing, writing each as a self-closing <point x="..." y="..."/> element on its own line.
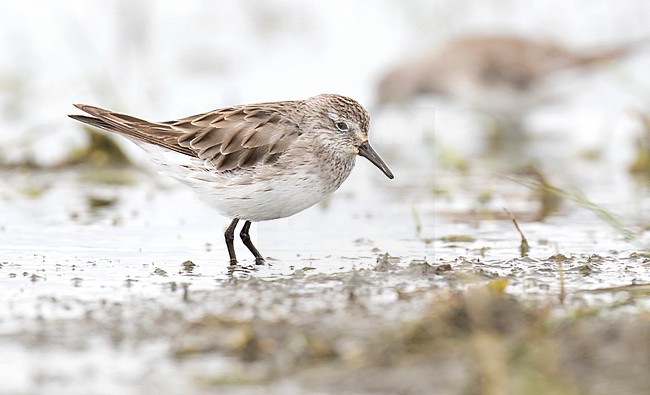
<point x="228" y="139"/>
<point x="131" y="127"/>
<point x="238" y="137"/>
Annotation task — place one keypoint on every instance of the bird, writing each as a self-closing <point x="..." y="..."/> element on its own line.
<point x="502" y="75"/>
<point x="254" y="162"/>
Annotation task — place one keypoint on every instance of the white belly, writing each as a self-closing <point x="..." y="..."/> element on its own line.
<point x="261" y="194"/>
<point x="264" y="200"/>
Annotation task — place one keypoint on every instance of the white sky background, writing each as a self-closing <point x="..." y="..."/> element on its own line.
<point x="166" y="59"/>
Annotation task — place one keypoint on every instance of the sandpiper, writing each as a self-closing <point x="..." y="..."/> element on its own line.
<point x="254" y="162"/>
<point x="502" y="75"/>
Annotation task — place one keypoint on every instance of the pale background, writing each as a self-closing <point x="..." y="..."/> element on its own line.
<point x="166" y="59"/>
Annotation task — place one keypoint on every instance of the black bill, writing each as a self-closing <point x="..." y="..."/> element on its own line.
<point x="367" y="152"/>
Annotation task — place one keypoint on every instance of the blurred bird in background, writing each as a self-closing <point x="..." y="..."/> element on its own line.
<point x="504" y="76"/>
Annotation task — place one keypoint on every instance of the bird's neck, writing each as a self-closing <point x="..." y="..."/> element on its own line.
<point x="334" y="166"/>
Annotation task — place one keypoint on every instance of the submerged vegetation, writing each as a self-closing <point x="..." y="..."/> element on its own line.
<point x="641" y="163"/>
<point x="476" y="341"/>
<point x="100" y="151"/>
<point x="630" y="233"/>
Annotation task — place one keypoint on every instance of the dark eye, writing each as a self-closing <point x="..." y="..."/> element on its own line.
<point x="342" y="126"/>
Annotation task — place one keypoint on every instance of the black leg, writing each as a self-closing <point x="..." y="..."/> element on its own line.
<point x="230" y="238"/>
<point x="259" y="259"/>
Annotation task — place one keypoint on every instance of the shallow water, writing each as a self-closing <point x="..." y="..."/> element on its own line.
<point x="104" y="298"/>
<point x="389" y="286"/>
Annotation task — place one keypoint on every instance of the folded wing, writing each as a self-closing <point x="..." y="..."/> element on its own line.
<point x="227" y="139"/>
